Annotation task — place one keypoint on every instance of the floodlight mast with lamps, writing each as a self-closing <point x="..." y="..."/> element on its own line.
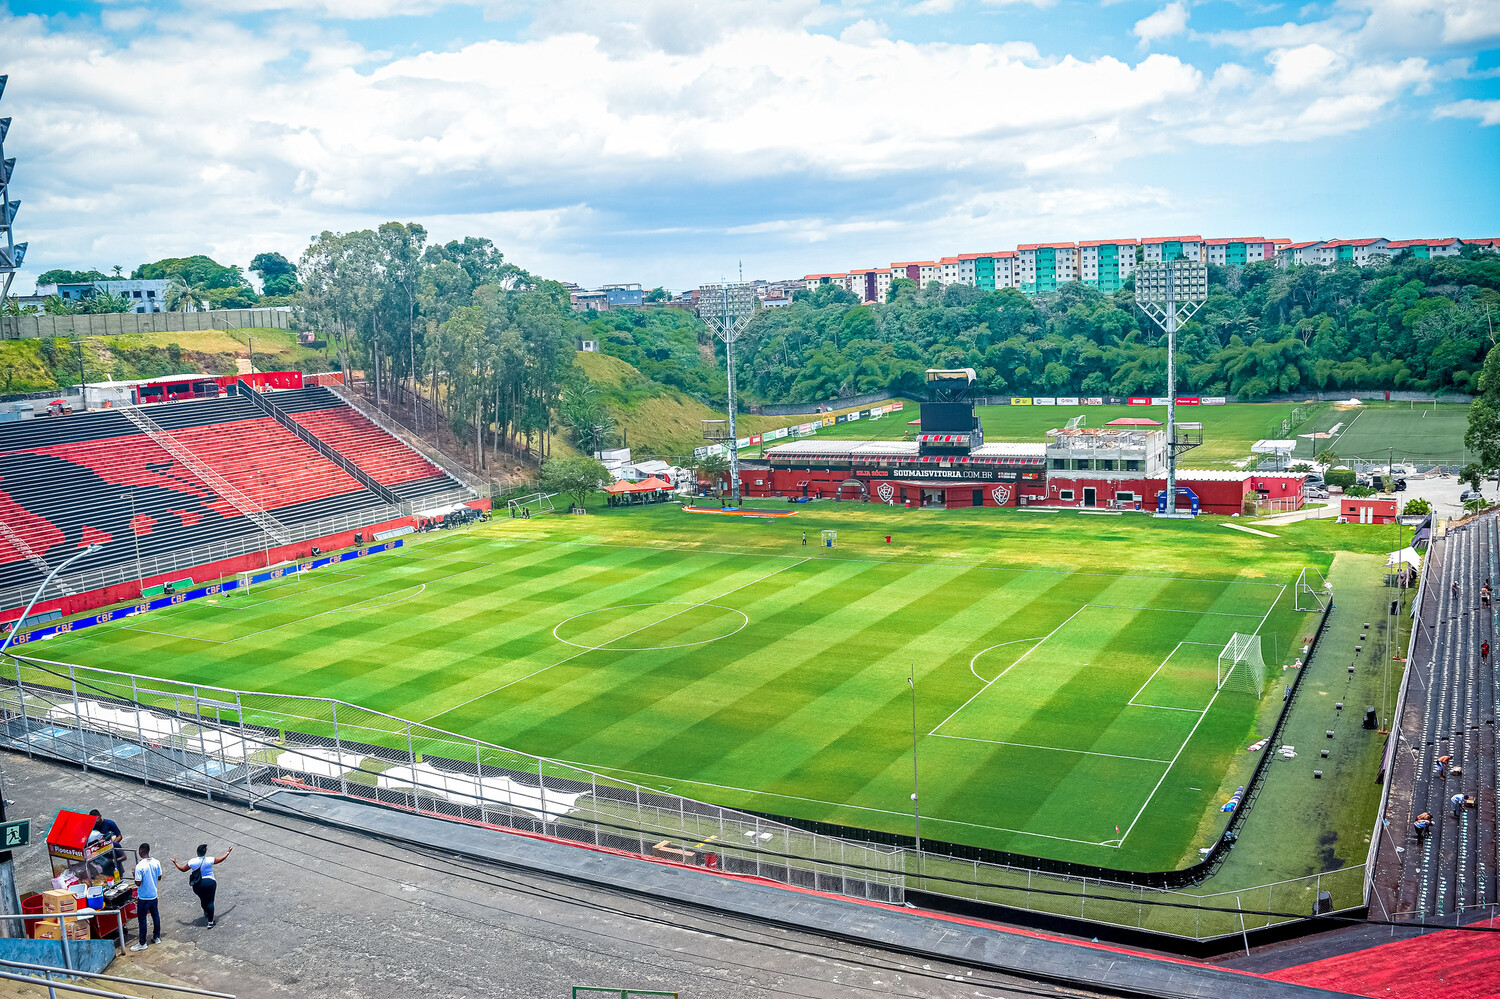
<point x="1170" y="292"/>
<point x="727" y="309"/>
<point x="11" y="252"/>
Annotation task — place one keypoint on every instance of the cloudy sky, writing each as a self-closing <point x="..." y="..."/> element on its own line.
<point x="665" y="141"/>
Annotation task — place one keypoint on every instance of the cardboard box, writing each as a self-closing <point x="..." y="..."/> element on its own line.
<point x="59" y="900"/>
<point x="48" y="929"/>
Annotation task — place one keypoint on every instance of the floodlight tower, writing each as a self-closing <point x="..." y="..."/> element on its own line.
<point x="11" y="252"/>
<point x="1170" y="292"/>
<point x="728" y="309"/>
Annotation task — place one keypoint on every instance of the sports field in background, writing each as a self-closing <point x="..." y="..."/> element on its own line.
<point x="1379" y="431"/>
<point x="1065" y="666"/>
<point x="1228" y="431"/>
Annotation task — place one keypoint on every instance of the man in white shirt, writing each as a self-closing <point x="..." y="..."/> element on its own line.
<point x="147" y="876"/>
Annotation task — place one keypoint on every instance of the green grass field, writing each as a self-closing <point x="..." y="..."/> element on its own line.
<point x="1228" y="431"/>
<point x="1377" y="431"/>
<point x="1065" y="666"/>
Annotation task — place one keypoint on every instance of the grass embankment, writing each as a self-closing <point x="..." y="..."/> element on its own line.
<point x="657" y="419"/>
<point x="44" y="365"/>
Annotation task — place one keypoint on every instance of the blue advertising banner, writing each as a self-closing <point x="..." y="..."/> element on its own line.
<point x="198" y="593"/>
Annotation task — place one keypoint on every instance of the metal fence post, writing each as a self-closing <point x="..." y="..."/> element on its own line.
<point x="83" y="753"/>
<point x="208" y="787"/>
<point x="239" y="709"/>
<point x="411" y="755"/>
<point x="62" y="923"/>
<point x="338" y="746"/>
<point x="140" y="733"/>
<point x="21" y="696"/>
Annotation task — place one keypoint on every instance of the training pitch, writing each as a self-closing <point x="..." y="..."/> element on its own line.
<point x="1065" y="707"/>
<point x="1421" y="432"/>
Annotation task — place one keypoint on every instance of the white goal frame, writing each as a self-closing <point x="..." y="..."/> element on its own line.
<point x="543" y="502"/>
<point x="1313" y="592"/>
<point x="830" y="539"/>
<point x="1241" y="666"/>
<point x="242" y="585"/>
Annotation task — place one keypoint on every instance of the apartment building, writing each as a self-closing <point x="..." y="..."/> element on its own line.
<point x="923" y="272"/>
<point x="1359" y="252"/>
<point x="1156" y="249"/>
<point x="1041" y="267"/>
<point x="1237" y="252"/>
<point x="1426" y="249"/>
<point x="1106" y="263"/>
<point x="813" y="280"/>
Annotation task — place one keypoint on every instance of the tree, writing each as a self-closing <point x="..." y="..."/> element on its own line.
<point x="278" y="275"/>
<point x="60" y="276"/>
<point x="714" y="467"/>
<point x="105" y="302"/>
<point x="589" y="422"/>
<point x="1473" y="474"/>
<point x="1483" y="434"/>
<point x="182" y="297"/>
<point x="657" y="294"/>
<point x="576" y="475"/>
<point x="1327" y="457"/>
<point x="1416" y="507"/>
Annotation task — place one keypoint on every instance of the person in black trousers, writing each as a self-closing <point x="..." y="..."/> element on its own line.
<point x="206" y="885"/>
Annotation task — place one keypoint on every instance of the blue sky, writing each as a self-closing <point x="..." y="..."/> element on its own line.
<point x="666" y="141"/>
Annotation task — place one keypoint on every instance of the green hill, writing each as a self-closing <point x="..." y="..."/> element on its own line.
<point x="47" y="364"/>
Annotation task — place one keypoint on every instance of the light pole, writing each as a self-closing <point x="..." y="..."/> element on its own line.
<point x="140" y="578"/>
<point x="11" y="252"/>
<point x="252" y="359"/>
<point x="1170" y="292"/>
<point x="916" y="813"/>
<point x="83" y="395"/>
<point x="727" y="309"/>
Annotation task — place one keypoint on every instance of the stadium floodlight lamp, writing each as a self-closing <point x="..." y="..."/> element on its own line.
<point x="11" y="253"/>
<point x="727" y="309"/>
<point x="1170" y="293"/>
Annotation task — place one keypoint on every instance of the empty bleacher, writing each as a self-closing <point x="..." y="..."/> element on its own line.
<point x="88" y="477"/>
<point x="1452" y="703"/>
<point x="384" y="458"/>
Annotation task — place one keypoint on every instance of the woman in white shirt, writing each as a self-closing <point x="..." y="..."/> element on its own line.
<point x="205" y="885"/>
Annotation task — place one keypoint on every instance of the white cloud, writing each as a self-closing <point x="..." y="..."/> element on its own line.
<point x="1488" y="112"/>
<point x="209" y="135"/>
<point x="1171" y="20"/>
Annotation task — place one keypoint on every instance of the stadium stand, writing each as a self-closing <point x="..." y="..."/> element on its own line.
<point x="1451" y="709"/>
<point x="213" y="473"/>
<point x="383" y="457"/>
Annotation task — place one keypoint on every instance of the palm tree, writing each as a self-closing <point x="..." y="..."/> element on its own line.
<point x="714" y="466"/>
<point x="181" y="297"/>
<point x="1327" y="457"/>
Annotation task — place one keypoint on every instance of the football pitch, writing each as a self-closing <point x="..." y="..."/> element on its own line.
<point x="1070" y="712"/>
<point x="1380" y="431"/>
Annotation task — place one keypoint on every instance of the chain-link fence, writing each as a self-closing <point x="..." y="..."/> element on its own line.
<point x="245" y="746"/>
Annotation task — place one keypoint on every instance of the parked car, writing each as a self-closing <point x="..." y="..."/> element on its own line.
<point x="1315" y="492"/>
<point x="1470" y="494"/>
<point x="1400" y="485"/>
<point x="1312" y="479"/>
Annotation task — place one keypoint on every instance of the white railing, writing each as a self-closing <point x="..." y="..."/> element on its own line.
<point x="246" y="746"/>
<point x="40" y="564"/>
<point x="220" y="485"/>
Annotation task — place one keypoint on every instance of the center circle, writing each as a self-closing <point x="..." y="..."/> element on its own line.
<point x="629" y="627"/>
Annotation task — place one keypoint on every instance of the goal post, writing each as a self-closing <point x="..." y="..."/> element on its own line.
<point x="241" y="585"/>
<point x="1241" y="666"/>
<point x="830" y="539"/>
<point x="1313" y="591"/>
<point x="541" y="501"/>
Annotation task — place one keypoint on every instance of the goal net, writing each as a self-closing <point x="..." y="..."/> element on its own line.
<point x="830" y="539"/>
<point x="542" y="502"/>
<point x="1313" y="591"/>
<point x="241" y="585"/>
<point x="1241" y="666"/>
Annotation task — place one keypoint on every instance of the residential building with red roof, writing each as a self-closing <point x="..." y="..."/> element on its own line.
<point x="1238" y="251"/>
<point x="1106" y="263"/>
<point x="1044" y="266"/>
<point x="1426" y="249"/>
<point x="1156" y="249"/>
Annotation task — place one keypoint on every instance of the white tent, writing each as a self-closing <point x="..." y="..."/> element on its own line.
<point x="1409" y="556"/>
